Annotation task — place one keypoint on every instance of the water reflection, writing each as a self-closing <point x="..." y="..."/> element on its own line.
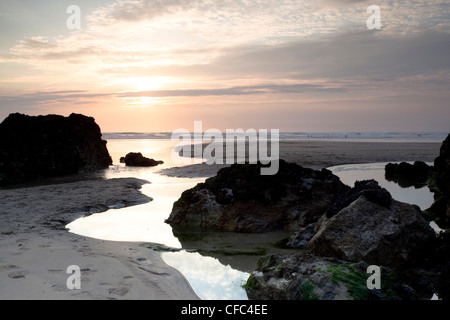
<point x="210" y="279"/>
<point x="241" y="251"/>
<point x="421" y="196"/>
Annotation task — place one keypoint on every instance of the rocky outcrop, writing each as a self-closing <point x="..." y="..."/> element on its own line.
<point x="134" y="159"/>
<point x="407" y="175"/>
<point x="440" y="211"/>
<point x="364" y="227"/>
<point x="441" y="260"/>
<point x="303" y="276"/>
<point x="47" y="146"/>
<point x="240" y="199"/>
<point x="379" y="232"/>
<point x="442" y="164"/>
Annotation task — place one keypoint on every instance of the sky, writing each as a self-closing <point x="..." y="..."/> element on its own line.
<point x="160" y="65"/>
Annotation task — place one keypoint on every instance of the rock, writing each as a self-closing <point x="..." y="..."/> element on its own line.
<point x="407" y="175"/>
<point x="396" y="235"/>
<point x="138" y="160"/>
<point x="240" y="199"/>
<point x="301" y="238"/>
<point x="440" y="261"/>
<point x="303" y="276"/>
<point x="440" y="210"/>
<point x="443" y="283"/>
<point x="47" y="146"/>
<point x="368" y="188"/>
<point x="442" y="165"/>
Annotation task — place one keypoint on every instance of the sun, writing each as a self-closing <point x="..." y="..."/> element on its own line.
<point x="147" y="100"/>
<point x="143" y="86"/>
<point x="146" y="83"/>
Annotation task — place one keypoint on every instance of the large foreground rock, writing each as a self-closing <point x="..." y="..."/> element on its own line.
<point x="374" y="230"/>
<point x="303" y="276"/>
<point x="48" y="146"/>
<point x="240" y="199"/>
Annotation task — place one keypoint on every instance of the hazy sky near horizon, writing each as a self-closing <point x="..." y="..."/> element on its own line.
<point x="159" y="65"/>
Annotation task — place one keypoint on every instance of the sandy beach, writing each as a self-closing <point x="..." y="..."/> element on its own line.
<point x="36" y="249"/>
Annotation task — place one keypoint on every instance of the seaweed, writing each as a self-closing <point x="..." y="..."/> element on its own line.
<point x="307" y="290"/>
<point x="356" y="281"/>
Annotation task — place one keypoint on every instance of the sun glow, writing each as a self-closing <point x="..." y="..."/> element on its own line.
<point x="143" y="101"/>
<point x="144" y="83"/>
<point x="143" y="86"/>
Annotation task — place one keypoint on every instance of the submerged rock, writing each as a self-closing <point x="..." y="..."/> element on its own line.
<point x="48" y="146"/>
<point x="240" y="199"/>
<point x="134" y="159"/>
<point x="392" y="234"/>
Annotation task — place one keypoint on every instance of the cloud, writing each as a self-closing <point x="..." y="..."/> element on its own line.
<point x="358" y="57"/>
<point x="350" y="56"/>
<point x="232" y="91"/>
<point x="155" y="31"/>
<point x="137" y="10"/>
<point x="83" y="96"/>
<point x="41" y="98"/>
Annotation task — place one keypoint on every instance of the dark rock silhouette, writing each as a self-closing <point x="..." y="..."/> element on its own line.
<point x="441" y="258"/>
<point x="407" y="175"/>
<point x="33" y="147"/>
<point x="440" y="210"/>
<point x="240" y="199"/>
<point x="134" y="159"/>
<point x="442" y="164"/>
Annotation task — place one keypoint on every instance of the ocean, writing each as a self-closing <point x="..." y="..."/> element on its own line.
<point x="334" y="136"/>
